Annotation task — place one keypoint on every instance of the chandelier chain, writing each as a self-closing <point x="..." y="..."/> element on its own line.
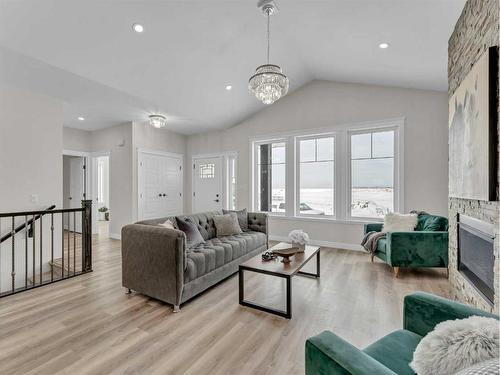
<point x="268" y="35"/>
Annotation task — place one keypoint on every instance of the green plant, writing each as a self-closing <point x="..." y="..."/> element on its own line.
<point x="103" y="209"/>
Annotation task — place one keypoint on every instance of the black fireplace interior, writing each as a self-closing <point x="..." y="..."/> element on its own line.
<point x="476" y="259"/>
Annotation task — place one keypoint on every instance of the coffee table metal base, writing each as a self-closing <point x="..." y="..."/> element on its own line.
<point x="283" y="313"/>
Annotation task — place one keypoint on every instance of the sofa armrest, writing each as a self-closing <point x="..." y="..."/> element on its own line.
<point x="417" y="249"/>
<point x="328" y="353"/>
<point x="422" y="311"/>
<point x="373" y="227"/>
<point x="153" y="260"/>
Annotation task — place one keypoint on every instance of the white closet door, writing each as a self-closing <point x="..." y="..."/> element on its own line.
<point x="172" y="182"/>
<point x="159" y="185"/>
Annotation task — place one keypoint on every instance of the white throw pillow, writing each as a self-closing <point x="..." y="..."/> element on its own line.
<point x="394" y="222"/>
<point x="454" y="345"/>
<point x="491" y="367"/>
<point x="168" y="224"/>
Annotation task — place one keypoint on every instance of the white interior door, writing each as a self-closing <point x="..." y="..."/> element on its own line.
<point x="76" y="190"/>
<point x="172" y="182"/>
<point x="207" y="184"/>
<point x="159" y="185"/>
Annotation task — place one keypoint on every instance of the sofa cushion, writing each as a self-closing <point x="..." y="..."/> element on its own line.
<point x="395" y="350"/>
<point x="428" y="222"/>
<point x="216" y="252"/>
<point x="242" y="218"/>
<point x="205" y="223"/>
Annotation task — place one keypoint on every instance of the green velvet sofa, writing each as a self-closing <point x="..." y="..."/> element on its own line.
<point x="328" y="354"/>
<point x="427" y="246"/>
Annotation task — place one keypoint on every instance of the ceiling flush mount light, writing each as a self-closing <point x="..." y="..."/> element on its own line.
<point x="157" y="121"/>
<point x="229" y="87"/>
<point x="138" y="28"/>
<point x="383" y="45"/>
<point x="268" y="84"/>
<point x="80" y="118"/>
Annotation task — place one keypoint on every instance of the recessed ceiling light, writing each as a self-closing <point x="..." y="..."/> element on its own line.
<point x="383" y="45"/>
<point x="229" y="87"/>
<point x="138" y="28"/>
<point x="81" y="118"/>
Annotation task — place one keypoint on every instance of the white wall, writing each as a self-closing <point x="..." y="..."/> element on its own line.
<point x="117" y="140"/>
<point x="324" y="104"/>
<point x="77" y="140"/>
<point x="30" y="164"/>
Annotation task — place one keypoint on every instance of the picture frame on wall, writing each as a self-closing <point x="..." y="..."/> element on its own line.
<point x="473" y="139"/>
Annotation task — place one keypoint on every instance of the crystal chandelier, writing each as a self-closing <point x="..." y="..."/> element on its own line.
<point x="157" y="121"/>
<point x="268" y="84"/>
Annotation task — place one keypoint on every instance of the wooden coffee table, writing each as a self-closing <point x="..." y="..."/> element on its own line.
<point x="277" y="268"/>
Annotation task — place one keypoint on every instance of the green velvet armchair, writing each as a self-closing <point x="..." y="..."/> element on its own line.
<point x="427" y="246"/>
<point x="328" y="354"/>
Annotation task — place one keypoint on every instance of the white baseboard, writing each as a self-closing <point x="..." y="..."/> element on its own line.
<point x="336" y="245"/>
<point x="115" y="236"/>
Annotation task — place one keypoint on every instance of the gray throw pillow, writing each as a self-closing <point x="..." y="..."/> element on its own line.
<point x="193" y="235"/>
<point x="227" y="224"/>
<point x="242" y="218"/>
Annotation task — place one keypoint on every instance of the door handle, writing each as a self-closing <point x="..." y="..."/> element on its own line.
<point x="159" y="195"/>
<point x="164" y="195"/>
<point x="216" y="200"/>
<point x="70" y="198"/>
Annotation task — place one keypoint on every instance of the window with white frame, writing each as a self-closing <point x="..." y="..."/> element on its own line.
<point x="270" y="173"/>
<point x="316" y="175"/>
<point x="231" y="182"/>
<point x="345" y="173"/>
<point x="372" y="173"/>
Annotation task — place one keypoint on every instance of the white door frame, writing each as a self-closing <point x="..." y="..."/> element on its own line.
<point x="94" y="156"/>
<point x="225" y="183"/>
<point x="139" y="174"/>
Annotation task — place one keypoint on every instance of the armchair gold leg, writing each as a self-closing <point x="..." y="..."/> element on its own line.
<point x="396" y="271"/>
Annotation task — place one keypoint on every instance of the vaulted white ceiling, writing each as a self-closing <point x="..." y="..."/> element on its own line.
<point x="86" y="53"/>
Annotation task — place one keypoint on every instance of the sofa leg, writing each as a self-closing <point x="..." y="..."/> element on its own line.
<point x="128" y="291"/>
<point x="372" y="256"/>
<point x="396" y="271"/>
<point x="447" y="273"/>
<point x="177" y="308"/>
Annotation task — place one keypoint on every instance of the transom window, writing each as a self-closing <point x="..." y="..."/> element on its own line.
<point x="351" y="173"/>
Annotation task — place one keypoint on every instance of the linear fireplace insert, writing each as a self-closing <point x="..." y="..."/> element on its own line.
<point x="475" y="254"/>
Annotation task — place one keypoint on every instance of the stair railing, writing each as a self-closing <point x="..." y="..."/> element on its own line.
<point x="68" y="243"/>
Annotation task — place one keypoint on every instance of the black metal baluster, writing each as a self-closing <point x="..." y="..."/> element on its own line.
<point x="74" y="242"/>
<point x="51" y="247"/>
<point x="62" y="235"/>
<point x="33" y="280"/>
<point x="25" y="252"/>
<point x="41" y="249"/>
<point x="69" y="243"/>
<point x="13" y="269"/>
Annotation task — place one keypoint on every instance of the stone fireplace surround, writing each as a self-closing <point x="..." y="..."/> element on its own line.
<point x="475" y="31"/>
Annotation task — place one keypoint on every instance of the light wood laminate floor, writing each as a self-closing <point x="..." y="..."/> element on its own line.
<point x="88" y="325"/>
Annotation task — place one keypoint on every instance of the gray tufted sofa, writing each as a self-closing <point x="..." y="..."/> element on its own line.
<point x="156" y="262"/>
